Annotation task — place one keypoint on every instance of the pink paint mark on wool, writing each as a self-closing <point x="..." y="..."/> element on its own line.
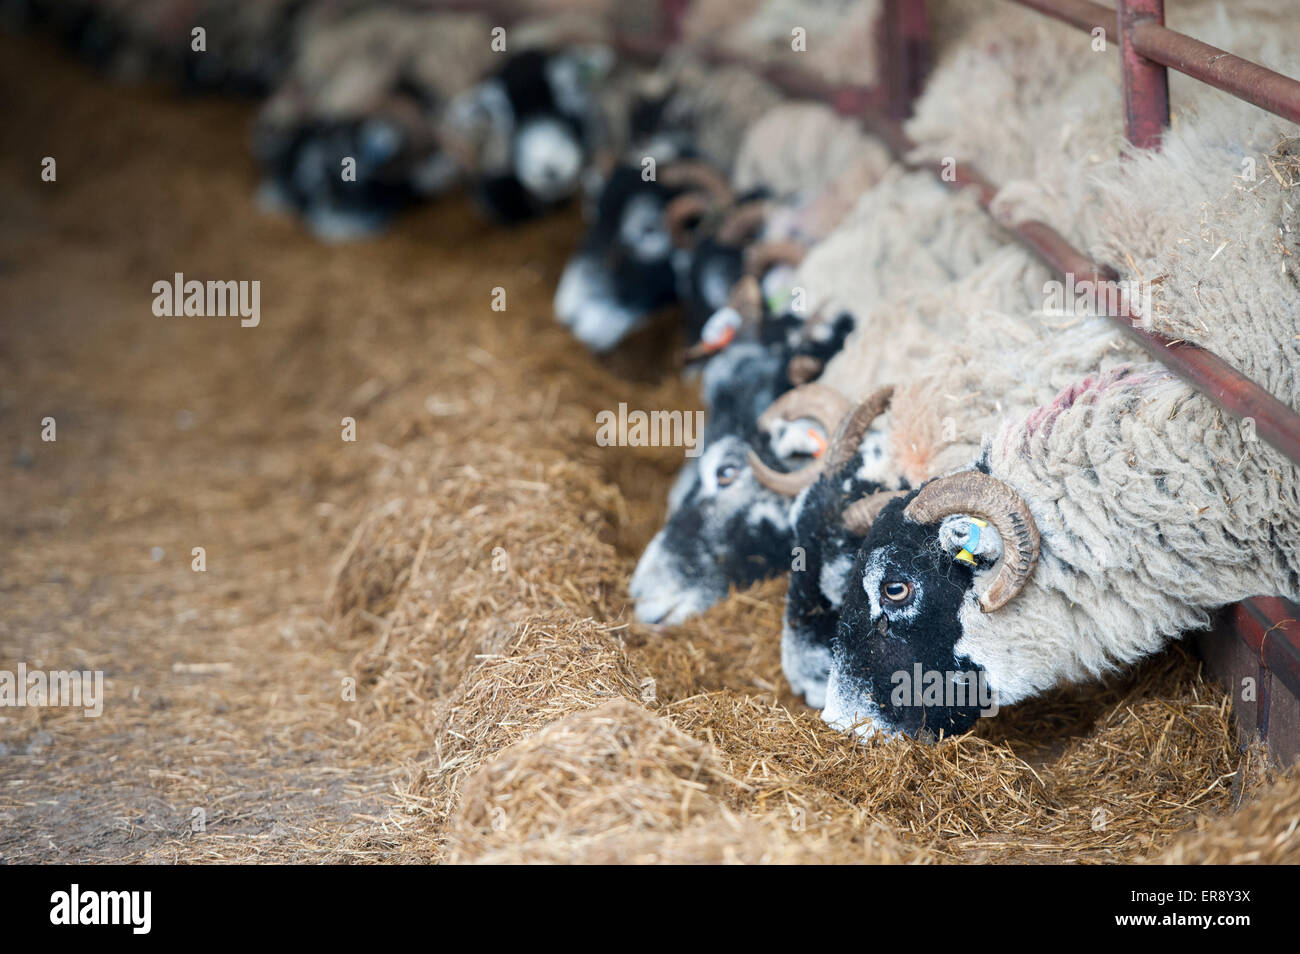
<point x="1085" y="391"/>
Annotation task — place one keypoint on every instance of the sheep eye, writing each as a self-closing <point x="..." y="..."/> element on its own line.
<point x="896" y="592"/>
<point x="727" y="474"/>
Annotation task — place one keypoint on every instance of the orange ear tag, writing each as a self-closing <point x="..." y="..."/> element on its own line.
<point x="720" y="342"/>
<point x="820" y="442"/>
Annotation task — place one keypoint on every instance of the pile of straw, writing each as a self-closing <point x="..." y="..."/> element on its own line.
<point x="417" y="646"/>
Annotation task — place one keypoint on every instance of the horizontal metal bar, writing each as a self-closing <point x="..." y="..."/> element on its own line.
<point x="1275" y="423"/>
<point x="1249" y="81"/>
<point x="1246" y="80"/>
<point x="847" y="100"/>
<point x="1270" y="626"/>
<point x="1078" y="13"/>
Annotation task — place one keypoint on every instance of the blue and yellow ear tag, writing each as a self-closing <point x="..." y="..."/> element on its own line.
<point x="964" y="555"/>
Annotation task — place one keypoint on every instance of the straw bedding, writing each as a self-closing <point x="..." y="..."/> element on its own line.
<point x="464" y="562"/>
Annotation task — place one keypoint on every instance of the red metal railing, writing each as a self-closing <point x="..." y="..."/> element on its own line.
<point x="904" y="37"/>
<point x="1146" y="35"/>
<point x="1146" y="83"/>
<point x="1265" y="628"/>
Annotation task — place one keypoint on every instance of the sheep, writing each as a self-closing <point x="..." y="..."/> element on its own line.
<point x="946" y="395"/>
<point x="857" y="268"/>
<point x="838" y="42"/>
<point x="635" y="257"/>
<point x="814" y="165"/>
<point x="937" y="416"/>
<point x="906" y="234"/>
<point x="525" y="134"/>
<point x="716" y="534"/>
<point x="368" y="87"/>
<point x="805" y="167"/>
<point x="916" y="455"/>
<point x="1099" y="525"/>
<point x="797" y="170"/>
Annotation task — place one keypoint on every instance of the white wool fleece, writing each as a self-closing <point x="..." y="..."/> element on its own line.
<point x="342" y="67"/>
<point x="1152" y="514"/>
<point x="800" y="149"/>
<point x="838" y="34"/>
<point x="1154" y="507"/>
<point x="906" y="234"/>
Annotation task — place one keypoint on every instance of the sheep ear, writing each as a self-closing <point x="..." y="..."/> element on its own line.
<point x="970" y="540"/>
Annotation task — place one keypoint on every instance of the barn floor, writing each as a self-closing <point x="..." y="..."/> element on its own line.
<point x="463" y="563"/>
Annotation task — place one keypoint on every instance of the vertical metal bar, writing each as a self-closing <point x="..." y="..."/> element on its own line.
<point x="904" y="41"/>
<point x="1146" y="83"/>
<point x="674" y="12"/>
<point x="1263" y="701"/>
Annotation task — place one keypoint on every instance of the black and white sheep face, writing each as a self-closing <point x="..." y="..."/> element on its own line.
<point x="548" y="159"/>
<point x="896" y="667"/>
<point x="728" y="530"/>
<point x="724" y="527"/>
<point x="627" y="266"/>
<point x="825" y="550"/>
<point x="713" y="267"/>
<point x="389" y="165"/>
<point x="630" y="266"/>
<point x="531" y="129"/>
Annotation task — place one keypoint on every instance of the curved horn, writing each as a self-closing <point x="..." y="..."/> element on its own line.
<point x="816" y="401"/>
<point x="854" y="427"/>
<point x="743" y="221"/>
<point x="679" y="212"/>
<point x="861" y="514"/>
<point x="763" y="255"/>
<point x="785" y="483"/>
<point x="697" y="176"/>
<point x="989" y="498"/>
<point x="824" y="405"/>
